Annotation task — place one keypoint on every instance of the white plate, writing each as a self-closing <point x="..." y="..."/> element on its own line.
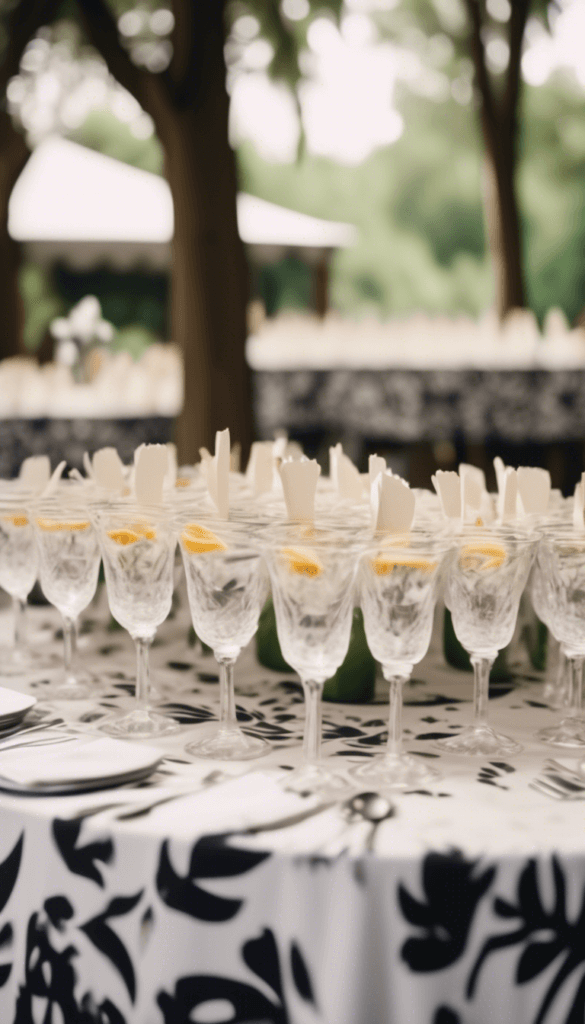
<point x="65" y="788"/>
<point x="54" y="759"/>
<point x="14" y="704"/>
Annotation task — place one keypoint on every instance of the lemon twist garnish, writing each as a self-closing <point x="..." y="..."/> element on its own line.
<point x="198" y="540"/>
<point x="384" y="564"/>
<point x="144" y="530"/>
<point x="482" y="555"/>
<point x="17" y="519"/>
<point x="182" y="481"/>
<point x="56" y="525"/>
<point x="123" y="536"/>
<point x="303" y="561"/>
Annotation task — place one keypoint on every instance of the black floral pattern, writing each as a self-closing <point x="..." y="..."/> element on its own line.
<point x="544" y="935"/>
<point x="453" y="889"/>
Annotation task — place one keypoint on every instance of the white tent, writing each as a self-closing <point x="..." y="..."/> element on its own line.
<point x="73" y="203"/>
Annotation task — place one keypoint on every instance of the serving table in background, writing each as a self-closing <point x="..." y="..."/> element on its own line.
<point x="469" y="909"/>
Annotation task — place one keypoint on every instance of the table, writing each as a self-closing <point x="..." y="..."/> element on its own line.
<point x="470" y="910"/>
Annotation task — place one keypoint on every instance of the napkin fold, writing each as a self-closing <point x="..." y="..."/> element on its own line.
<point x="534" y="486"/>
<point x="448" y="486"/>
<point x="579" y="505"/>
<point x="376" y="464"/>
<point x="345" y="477"/>
<point x="107" y="470"/>
<point x="217" y="472"/>
<point x="393" y="504"/>
<point x="260" y="468"/>
<point x="299" y="483"/>
<point x="151" y="464"/>
<point x="507" y="494"/>
<point x="35" y="473"/>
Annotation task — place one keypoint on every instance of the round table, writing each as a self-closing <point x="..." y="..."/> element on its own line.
<point x="235" y="901"/>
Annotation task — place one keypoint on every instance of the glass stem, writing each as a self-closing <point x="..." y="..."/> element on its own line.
<point x="481" y="689"/>
<point x="312" y="738"/>
<point x="576" y="687"/>
<point x="227" y="697"/>
<point x="69" y="646"/>
<point x="394" y="747"/>
<point x="19" y="618"/>
<point x="143" y="671"/>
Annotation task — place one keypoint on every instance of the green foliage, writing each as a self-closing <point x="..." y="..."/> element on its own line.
<point x="103" y="132"/>
<point x="41" y="303"/>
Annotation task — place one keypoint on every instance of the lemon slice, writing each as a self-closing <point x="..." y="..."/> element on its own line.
<point x="198" y="540"/>
<point x="384" y="564"/>
<point x="144" y="530"/>
<point x="54" y="525"/>
<point x="182" y="481"/>
<point x="482" y="555"/>
<point x="123" y="536"/>
<point x="303" y="561"/>
<point x="17" y="519"/>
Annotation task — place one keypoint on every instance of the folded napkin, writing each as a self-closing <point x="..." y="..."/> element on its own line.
<point x="345" y="477"/>
<point x="579" y="505"/>
<point x="534" y="486"/>
<point x="251" y="800"/>
<point x="151" y="464"/>
<point x="217" y="472"/>
<point x="299" y="483"/>
<point x="80" y="759"/>
<point x="35" y="473"/>
<point x="260" y="468"/>
<point x="392" y="504"/>
<point x="107" y="469"/>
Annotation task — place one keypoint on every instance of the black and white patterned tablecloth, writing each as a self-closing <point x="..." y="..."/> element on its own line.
<point x="470" y="910"/>
<point x="409" y="405"/>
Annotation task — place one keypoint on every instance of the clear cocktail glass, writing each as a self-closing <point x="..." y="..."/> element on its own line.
<point x="138" y="551"/>
<point x="561" y="563"/>
<point x="69" y="561"/>
<point x="399" y="579"/>
<point x="18" y="573"/>
<point x="313" y="573"/>
<point x="485" y="577"/>
<point x="227" y="586"/>
<point x="557" y="691"/>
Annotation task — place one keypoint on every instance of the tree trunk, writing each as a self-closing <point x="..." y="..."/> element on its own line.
<point x="503" y="229"/>
<point x="13" y="156"/>
<point x="209" y="272"/>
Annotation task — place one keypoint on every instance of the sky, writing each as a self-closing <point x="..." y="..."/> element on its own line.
<point x="347" y="105"/>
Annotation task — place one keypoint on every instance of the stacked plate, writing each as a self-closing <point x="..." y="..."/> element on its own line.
<point x="13" y="708"/>
<point x="55" y="762"/>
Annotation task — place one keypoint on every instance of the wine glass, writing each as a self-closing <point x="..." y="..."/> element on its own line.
<point x="561" y="563"/>
<point x="138" y="551"/>
<point x="226" y="586"/>
<point x="398" y="581"/>
<point x="485" y="578"/>
<point x="18" y="573"/>
<point x="557" y="691"/>
<point x="313" y="572"/>
<point x="69" y="558"/>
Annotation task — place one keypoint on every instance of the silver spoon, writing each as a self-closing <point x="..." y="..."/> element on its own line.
<point x="372" y="807"/>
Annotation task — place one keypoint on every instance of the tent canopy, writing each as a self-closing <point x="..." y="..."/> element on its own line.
<point x="68" y="195"/>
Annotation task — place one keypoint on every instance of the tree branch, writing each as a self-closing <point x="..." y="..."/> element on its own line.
<point x="25" y="19"/>
<point x="182" y="39"/>
<point x="489" y="111"/>
<point x="102" y="31"/>
<point x="518" y="20"/>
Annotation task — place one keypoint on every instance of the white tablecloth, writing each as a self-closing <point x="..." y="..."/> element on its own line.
<point x="470" y="910"/>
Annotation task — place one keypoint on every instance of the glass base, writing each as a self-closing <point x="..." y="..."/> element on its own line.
<point x="318" y="777"/>
<point x="556" y="696"/>
<point x="480" y="741"/>
<point x="140" y="724"/>
<point x="229" y="745"/>
<point x="568" y="733"/>
<point x="15" y="662"/>
<point x="396" y="771"/>
<point x="81" y="686"/>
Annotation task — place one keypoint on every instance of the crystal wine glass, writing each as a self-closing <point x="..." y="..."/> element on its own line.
<point x="557" y="691"/>
<point x="226" y="586"/>
<point x="69" y="557"/>
<point x="398" y="580"/>
<point x="561" y="563"/>
<point x="313" y="572"/>
<point x="18" y="573"/>
<point x="485" y="578"/>
<point x="138" y="550"/>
